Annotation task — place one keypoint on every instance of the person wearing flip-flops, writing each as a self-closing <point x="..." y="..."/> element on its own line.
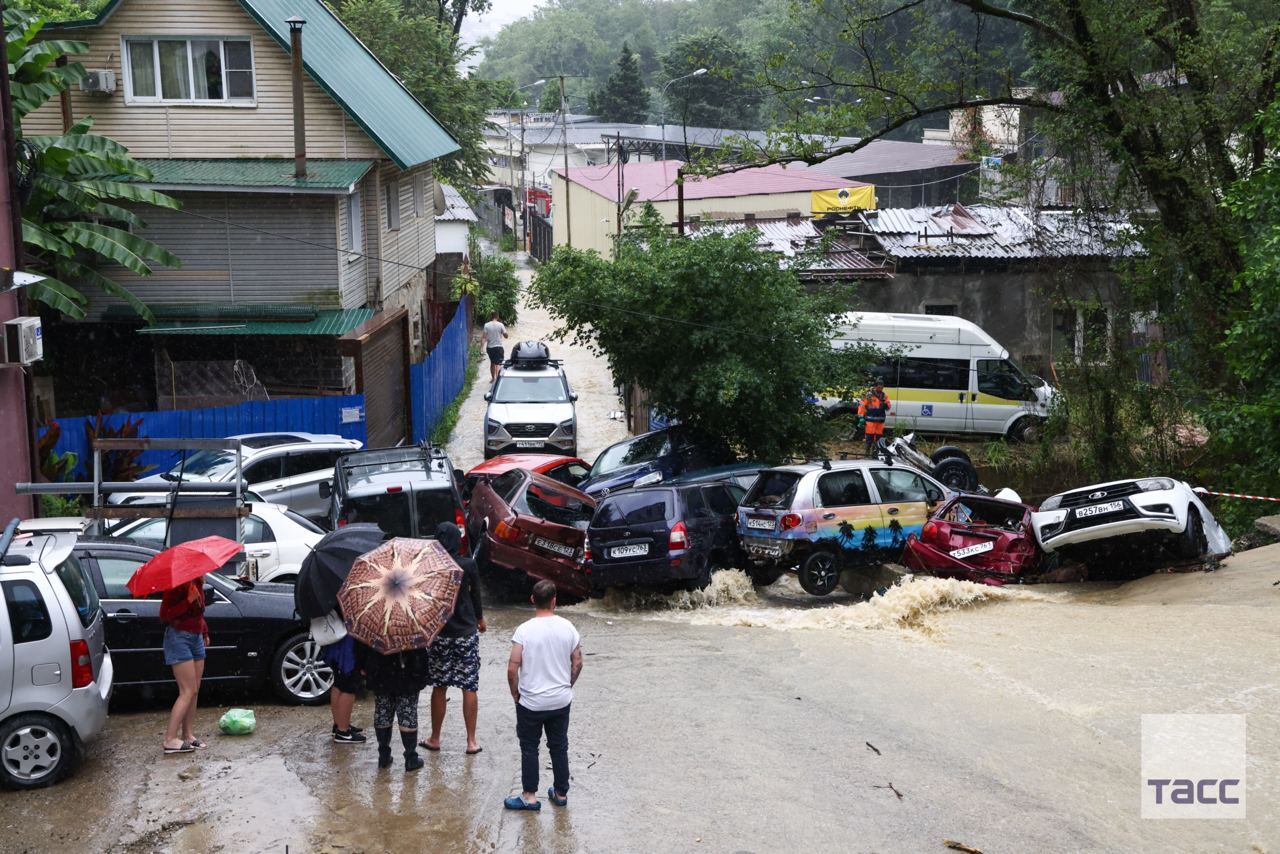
<point x="545" y="662"/>
<point x="185" y="636"/>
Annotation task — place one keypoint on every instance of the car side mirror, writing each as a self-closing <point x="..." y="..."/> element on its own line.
<point x="573" y="397"/>
<point x="325" y="489"/>
<point x="488" y="395"/>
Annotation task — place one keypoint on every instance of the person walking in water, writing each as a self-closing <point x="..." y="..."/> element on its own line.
<point x="455" y="655"/>
<point x="871" y="413"/>
<point x="545" y="662"/>
<point x="185" y="635"/>
<point x="396" y="681"/>
<point x="494" y="332"/>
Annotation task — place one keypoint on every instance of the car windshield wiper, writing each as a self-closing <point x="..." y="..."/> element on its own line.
<point x="169" y="477"/>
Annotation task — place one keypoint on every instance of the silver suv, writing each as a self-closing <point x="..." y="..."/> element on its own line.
<point x="55" y="671"/>
<point x="283" y="468"/>
<point x="530" y="406"/>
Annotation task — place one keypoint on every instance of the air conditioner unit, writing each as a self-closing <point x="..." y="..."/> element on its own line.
<point x="23" y="341"/>
<point x="101" y="80"/>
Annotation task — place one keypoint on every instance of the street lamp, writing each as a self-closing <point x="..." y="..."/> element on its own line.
<point x="663" y="98"/>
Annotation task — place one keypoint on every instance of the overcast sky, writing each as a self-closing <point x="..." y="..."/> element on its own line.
<point x="503" y="12"/>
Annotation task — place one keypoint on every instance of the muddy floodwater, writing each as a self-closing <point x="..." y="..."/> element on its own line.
<point x="1005" y="719"/>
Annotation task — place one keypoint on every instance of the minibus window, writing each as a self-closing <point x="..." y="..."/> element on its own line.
<point x="951" y="374"/>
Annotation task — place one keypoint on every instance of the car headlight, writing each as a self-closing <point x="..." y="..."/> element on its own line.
<point x="492" y="427"/>
<point x="1151" y="484"/>
<point x="1052" y="503"/>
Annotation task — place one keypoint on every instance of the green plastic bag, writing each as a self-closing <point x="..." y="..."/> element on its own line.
<point x="238" y="722"/>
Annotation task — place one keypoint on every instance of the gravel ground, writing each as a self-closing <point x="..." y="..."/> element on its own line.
<point x="588" y="375"/>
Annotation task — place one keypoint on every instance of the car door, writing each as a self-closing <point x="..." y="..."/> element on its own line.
<point x="260" y="545"/>
<point x="697" y="518"/>
<point x="225" y="655"/>
<point x="1000" y="393"/>
<point x="135" y="634"/>
<point x="301" y="475"/>
<point x="265" y="475"/>
<point x="847" y="517"/>
<point x="724" y="510"/>
<point x="904" y="497"/>
<point x="933" y="395"/>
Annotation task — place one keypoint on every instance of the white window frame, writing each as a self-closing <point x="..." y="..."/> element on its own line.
<point x="126" y="68"/>
<point x="354" y="236"/>
<point x="392" y="194"/>
<point x="419" y="196"/>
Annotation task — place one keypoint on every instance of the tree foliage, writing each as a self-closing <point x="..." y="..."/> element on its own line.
<point x="623" y="97"/>
<point x="423" y="50"/>
<point x="724" y="97"/>
<point x="493" y="283"/>
<point x="81" y="213"/>
<point x="61" y="10"/>
<point x="721" y="336"/>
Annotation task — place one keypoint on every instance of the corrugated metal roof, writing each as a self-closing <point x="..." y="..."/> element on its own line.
<point x="792" y="237"/>
<point x="656" y="181"/>
<point x="995" y="232"/>
<point x="340" y="63"/>
<point x="884" y="156"/>
<point x="325" y="322"/>
<point x="594" y="133"/>
<point x="322" y="175"/>
<point x="456" y="208"/>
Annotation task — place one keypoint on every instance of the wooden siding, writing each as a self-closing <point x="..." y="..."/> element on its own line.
<point x="153" y="130"/>
<point x="353" y="268"/>
<point x="409" y="250"/>
<point x="225" y="263"/>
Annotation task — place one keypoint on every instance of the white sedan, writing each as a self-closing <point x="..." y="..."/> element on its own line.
<point x="1158" y="506"/>
<point x="275" y="537"/>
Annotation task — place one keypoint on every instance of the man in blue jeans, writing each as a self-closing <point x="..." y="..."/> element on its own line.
<point x="546" y="659"/>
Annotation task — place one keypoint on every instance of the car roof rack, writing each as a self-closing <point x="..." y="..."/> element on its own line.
<point x="432" y="457"/>
<point x="6" y="540"/>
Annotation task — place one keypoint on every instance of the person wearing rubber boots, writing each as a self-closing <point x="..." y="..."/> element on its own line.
<point x="872" y="410"/>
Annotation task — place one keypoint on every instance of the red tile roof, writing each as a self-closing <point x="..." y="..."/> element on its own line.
<point x="656" y="181"/>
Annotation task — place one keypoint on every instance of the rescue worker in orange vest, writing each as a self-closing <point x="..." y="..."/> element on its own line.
<point x="871" y="412"/>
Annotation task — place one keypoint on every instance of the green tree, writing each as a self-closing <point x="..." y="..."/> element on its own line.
<point x="75" y="222"/>
<point x="61" y="10"/>
<point x="752" y="347"/>
<point x="426" y="55"/>
<point x="724" y="97"/>
<point x="550" y="100"/>
<point x="624" y="97"/>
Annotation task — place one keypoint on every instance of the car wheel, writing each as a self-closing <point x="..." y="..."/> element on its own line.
<point x="1192" y="543"/>
<point x="35" y="751"/>
<point x="947" y="452"/>
<point x="1025" y="429"/>
<point x="298" y="674"/>
<point x="819" y="574"/>
<point x="957" y="473"/>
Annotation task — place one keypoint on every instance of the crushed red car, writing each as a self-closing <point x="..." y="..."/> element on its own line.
<point x="568" y="470"/>
<point x="976" y="538"/>
<point x="529" y="526"/>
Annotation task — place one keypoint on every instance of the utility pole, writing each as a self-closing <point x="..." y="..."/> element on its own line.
<point x="524" y="201"/>
<point x="564" y="139"/>
<point x="618" y="142"/>
<point x="680" y="200"/>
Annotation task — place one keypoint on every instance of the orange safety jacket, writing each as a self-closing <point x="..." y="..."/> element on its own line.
<point x="874" y="407"/>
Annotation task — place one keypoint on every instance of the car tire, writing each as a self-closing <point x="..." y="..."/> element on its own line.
<point x="762" y="575"/>
<point x="1192" y="543"/>
<point x="946" y="452"/>
<point x="957" y="473"/>
<point x="35" y="750"/>
<point x="298" y="675"/>
<point x="819" y="573"/>
<point x="1025" y="430"/>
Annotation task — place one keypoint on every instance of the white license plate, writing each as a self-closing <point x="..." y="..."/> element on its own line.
<point x="759" y="524"/>
<point x="553" y="546"/>
<point x="764" y="551"/>
<point x="975" y="549"/>
<point x="637" y="550"/>
<point x="528" y="444"/>
<point x="1099" y="509"/>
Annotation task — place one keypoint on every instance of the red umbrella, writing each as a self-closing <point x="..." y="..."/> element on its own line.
<point x="184" y="562"/>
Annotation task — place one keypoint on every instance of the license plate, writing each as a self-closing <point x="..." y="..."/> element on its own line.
<point x="1099" y="509"/>
<point x="975" y="549"/>
<point x="553" y="546"/>
<point x="636" y="550"/>
<point x="759" y="524"/>
<point x="528" y="444"/>
<point x="765" y="551"/>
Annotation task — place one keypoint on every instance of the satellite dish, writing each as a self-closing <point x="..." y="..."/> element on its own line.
<point x="439" y="198"/>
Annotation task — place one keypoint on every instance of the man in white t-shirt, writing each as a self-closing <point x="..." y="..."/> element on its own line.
<point x="546" y="659"/>
<point x="494" y="332"/>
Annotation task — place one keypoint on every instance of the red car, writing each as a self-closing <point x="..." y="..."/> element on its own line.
<point x="567" y="470"/>
<point x="529" y="526"/>
<point x="976" y="538"/>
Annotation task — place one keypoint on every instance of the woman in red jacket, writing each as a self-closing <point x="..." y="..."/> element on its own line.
<point x="185" y="636"/>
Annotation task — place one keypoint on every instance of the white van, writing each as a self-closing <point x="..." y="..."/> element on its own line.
<point x="948" y="376"/>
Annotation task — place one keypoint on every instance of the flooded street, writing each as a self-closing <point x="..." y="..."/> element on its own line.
<point x="1006" y="719"/>
<point x="588" y="375"/>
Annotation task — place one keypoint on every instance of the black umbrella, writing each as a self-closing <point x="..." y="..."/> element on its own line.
<point x="324" y="570"/>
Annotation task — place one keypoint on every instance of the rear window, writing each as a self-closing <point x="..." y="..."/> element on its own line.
<point x="434" y="506"/>
<point x="634" y="508"/>
<point x="639" y="450"/>
<point x="27" y="613"/>
<point x="555" y="506"/>
<point x="773" y="489"/>
<point x="389" y="511"/>
<point x="83" y="594"/>
<point x="505" y="484"/>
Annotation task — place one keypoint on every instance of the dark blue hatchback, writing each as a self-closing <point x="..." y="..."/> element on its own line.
<point x="652" y="458"/>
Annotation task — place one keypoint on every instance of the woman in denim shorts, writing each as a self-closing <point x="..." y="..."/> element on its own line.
<point x="185" y="636"/>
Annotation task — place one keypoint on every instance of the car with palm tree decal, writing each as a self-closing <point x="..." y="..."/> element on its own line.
<point x="820" y="518"/>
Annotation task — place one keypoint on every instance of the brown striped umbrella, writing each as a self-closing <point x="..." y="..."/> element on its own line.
<point x="398" y="596"/>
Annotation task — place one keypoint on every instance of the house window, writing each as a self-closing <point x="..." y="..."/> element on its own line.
<point x="189" y="71"/>
<point x="419" y="196"/>
<point x="354" y="237"/>
<point x="949" y="310"/>
<point x="393" y="205"/>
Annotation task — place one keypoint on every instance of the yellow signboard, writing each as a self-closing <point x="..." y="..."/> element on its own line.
<point x="844" y="200"/>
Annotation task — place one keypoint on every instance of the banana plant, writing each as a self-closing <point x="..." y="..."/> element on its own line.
<point x="81" y="215"/>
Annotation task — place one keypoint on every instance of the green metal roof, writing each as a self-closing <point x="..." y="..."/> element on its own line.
<point x="328" y="176"/>
<point x="346" y="69"/>
<point x="220" y="320"/>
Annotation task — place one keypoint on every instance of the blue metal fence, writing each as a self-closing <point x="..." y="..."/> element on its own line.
<point x="437" y="380"/>
<point x="343" y="416"/>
